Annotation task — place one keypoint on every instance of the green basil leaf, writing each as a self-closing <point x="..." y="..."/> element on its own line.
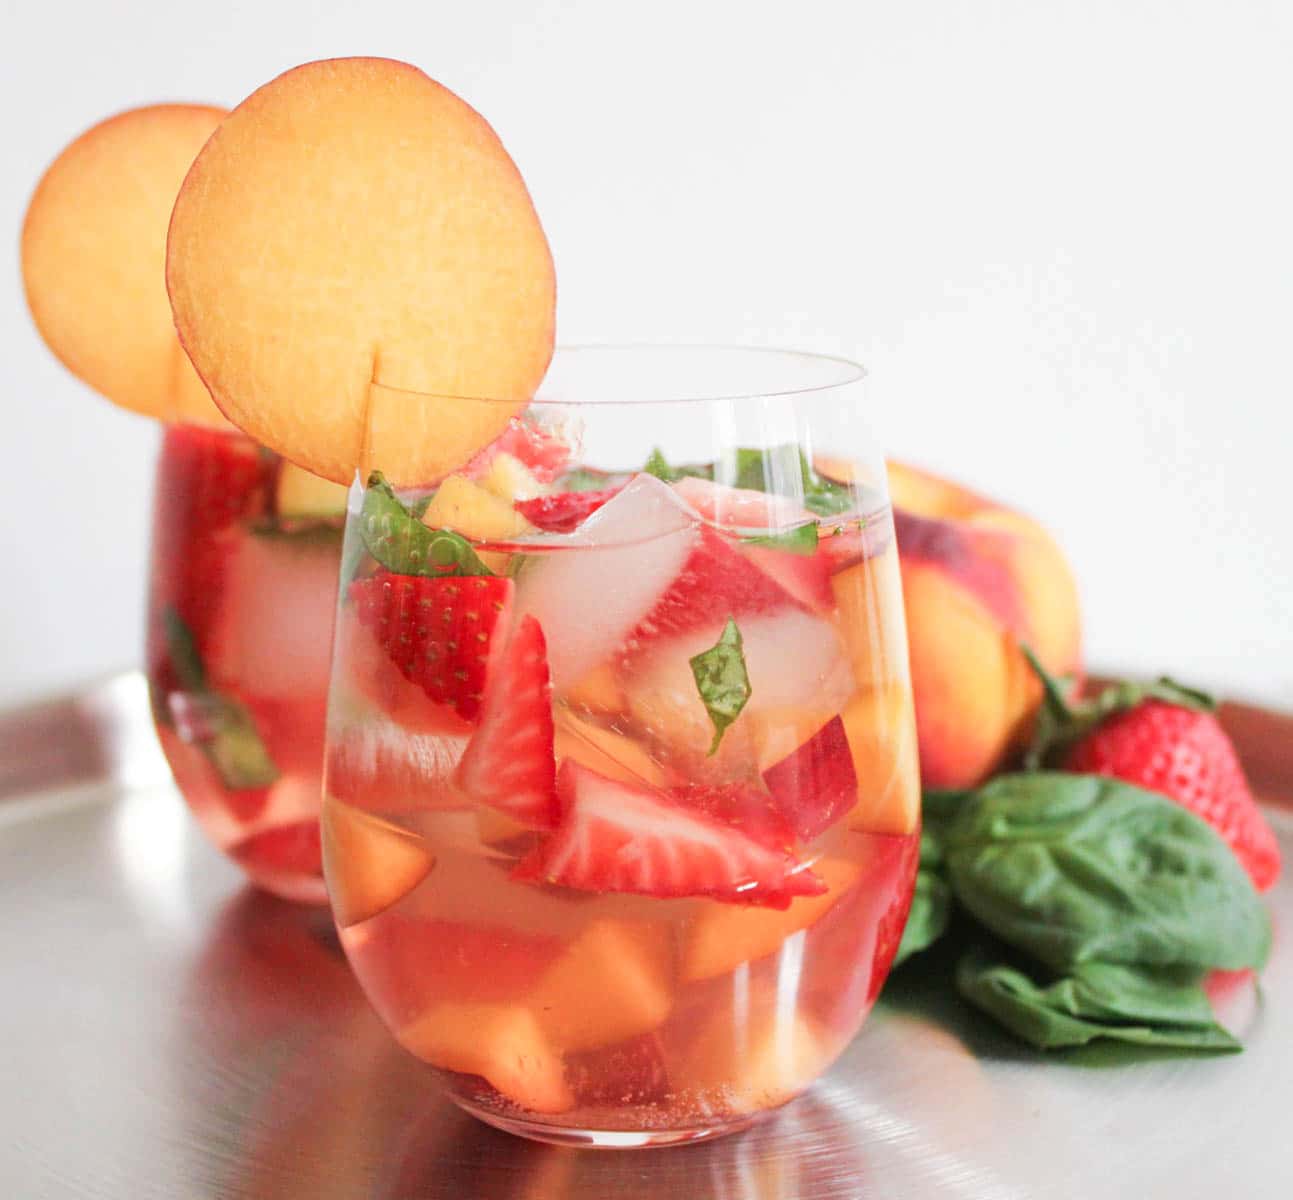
<point x="1076" y="868"/>
<point x="658" y="465"/>
<point x="219" y="726"/>
<point x="1160" y="1006"/>
<point x="401" y="543"/>
<point x="931" y="910"/>
<point x="722" y="681"/>
<point x="800" y="540"/>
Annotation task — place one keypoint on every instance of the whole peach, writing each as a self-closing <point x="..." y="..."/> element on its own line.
<point x="978" y="579"/>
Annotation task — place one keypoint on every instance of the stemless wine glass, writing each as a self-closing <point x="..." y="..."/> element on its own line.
<point x="242" y="594"/>
<point x="621" y="809"/>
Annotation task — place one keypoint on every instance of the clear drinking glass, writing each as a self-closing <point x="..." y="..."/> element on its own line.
<point x="621" y="809"/>
<point x="242" y="593"/>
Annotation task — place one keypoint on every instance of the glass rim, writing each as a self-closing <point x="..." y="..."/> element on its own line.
<point x="846" y="373"/>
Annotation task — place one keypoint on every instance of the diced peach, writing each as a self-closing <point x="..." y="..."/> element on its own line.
<point x="370" y="223"/>
<point x="504" y="1043"/>
<point x="597" y="692"/>
<point x="469" y="509"/>
<point x="369" y="863"/>
<point x="779" y="732"/>
<point x="93" y="259"/>
<point x="880" y="727"/>
<point x="723" y="936"/>
<point x="511" y="480"/>
<point x="300" y="494"/>
<point x="868" y="599"/>
<point x="758" y="1064"/>
<point x="613" y="983"/>
<point x="605" y="751"/>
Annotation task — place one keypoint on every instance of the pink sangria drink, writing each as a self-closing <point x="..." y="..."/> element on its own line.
<point x="246" y="549"/>
<point x="622" y="813"/>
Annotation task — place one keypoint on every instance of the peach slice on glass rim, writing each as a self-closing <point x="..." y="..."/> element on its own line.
<point x="94" y="253"/>
<point x="351" y="255"/>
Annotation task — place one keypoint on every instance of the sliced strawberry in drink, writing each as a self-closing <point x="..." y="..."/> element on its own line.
<point x="616" y="837"/>
<point x="563" y="512"/>
<point x="741" y="508"/>
<point x="294" y="849"/>
<point x="509" y="763"/>
<point x="438" y="632"/>
<point x="816" y="785"/>
<point x="545" y="454"/>
<point x="806" y="577"/>
<point x="746" y="808"/>
<point x="715" y="582"/>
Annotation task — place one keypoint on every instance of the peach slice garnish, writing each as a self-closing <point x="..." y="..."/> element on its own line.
<point x="370" y="863"/>
<point x="351" y="254"/>
<point x="94" y="254"/>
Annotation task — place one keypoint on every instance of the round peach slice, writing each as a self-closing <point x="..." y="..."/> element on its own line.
<point x="94" y="253"/>
<point x="352" y="255"/>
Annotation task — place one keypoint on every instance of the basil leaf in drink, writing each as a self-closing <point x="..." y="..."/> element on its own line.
<point x="722" y="681"/>
<point x="401" y="543"/>
<point x="931" y="910"/>
<point x="1146" y="1006"/>
<point x="219" y="726"/>
<point x="657" y="465"/>
<point x="756" y="469"/>
<point x="800" y="540"/>
<point x="1078" y="868"/>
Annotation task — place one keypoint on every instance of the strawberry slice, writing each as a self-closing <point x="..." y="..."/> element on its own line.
<point x="545" y="454"/>
<point x="746" y="808"/>
<point x="716" y="581"/>
<point x="617" y="837"/>
<point x="438" y="632"/>
<point x="816" y="785"/>
<point x="509" y="763"/>
<point x="563" y="512"/>
<point x="630" y="1072"/>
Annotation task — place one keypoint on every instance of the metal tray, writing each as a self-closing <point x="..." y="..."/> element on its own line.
<point x="169" y="1032"/>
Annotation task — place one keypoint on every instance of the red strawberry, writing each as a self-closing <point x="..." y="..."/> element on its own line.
<point x="294" y="849"/>
<point x="543" y="452"/>
<point x="564" y="511"/>
<point x="438" y="632"/>
<point x="1185" y="754"/>
<point x="715" y="582"/>
<point x="616" y="837"/>
<point x="816" y="785"/>
<point x="806" y="577"/>
<point x="509" y="763"/>
<point x="1163" y="737"/>
<point x="631" y="1072"/>
<point x="746" y="808"/>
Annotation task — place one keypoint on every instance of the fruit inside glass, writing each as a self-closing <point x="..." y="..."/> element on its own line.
<point x="242" y="594"/>
<point x="621" y="819"/>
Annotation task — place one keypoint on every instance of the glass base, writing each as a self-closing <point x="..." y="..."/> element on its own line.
<point x="608" y="1139"/>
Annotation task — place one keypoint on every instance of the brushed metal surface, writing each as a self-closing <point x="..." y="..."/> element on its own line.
<point x="167" y="1032"/>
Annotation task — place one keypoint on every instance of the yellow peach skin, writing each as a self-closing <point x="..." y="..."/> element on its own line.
<point x="977" y="580"/>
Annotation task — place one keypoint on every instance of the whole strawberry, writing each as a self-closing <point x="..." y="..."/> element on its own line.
<point x="1166" y="738"/>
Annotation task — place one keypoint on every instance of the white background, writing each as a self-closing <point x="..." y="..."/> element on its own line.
<point x="1058" y="234"/>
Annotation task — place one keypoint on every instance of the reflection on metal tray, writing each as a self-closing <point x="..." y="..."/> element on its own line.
<point x="170" y="1033"/>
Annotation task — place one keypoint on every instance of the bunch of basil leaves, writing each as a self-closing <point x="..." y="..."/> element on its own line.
<point x="1087" y="908"/>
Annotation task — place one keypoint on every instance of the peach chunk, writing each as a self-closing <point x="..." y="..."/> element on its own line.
<point x="369" y="863"/>
<point x="504" y="1043"/>
<point x="598" y="692"/>
<point x="880" y="728"/>
<point x="471" y="510"/>
<point x="94" y="252"/>
<point x="613" y="983"/>
<point x="756" y="1064"/>
<point x="868" y="599"/>
<point x="977" y="580"/>
<point x="351" y="255"/>
<point x="723" y="935"/>
<point x="300" y="494"/>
